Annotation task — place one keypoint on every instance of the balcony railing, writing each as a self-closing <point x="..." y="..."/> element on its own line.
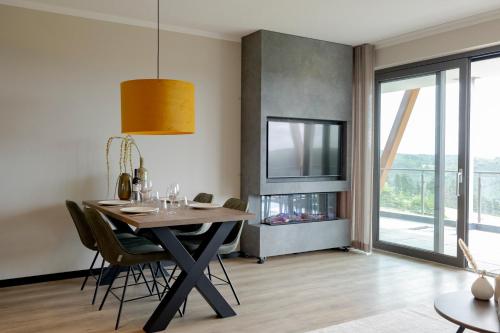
<point x="479" y="177"/>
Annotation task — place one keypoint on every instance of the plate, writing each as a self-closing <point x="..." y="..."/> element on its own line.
<point x="113" y="202"/>
<point x="139" y="210"/>
<point x="199" y="205"/>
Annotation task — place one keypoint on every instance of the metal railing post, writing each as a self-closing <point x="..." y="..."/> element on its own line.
<point x="421" y="192"/>
<point x="479" y="185"/>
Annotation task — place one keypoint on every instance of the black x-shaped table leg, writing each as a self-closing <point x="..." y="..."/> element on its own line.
<point x="192" y="275"/>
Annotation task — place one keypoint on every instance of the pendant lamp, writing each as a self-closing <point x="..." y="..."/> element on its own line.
<point x="157" y="106"/>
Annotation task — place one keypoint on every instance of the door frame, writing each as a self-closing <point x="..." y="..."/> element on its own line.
<point x="463" y="64"/>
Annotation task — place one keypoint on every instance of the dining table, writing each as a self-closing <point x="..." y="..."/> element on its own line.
<point x="192" y="265"/>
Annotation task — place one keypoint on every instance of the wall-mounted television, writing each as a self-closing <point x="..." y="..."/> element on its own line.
<point x="298" y="148"/>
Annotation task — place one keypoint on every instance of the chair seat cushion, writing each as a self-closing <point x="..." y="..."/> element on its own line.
<point x="123" y="234"/>
<point x="139" y="245"/>
<point x="191" y="245"/>
<point x="142" y="250"/>
<point x="226" y="248"/>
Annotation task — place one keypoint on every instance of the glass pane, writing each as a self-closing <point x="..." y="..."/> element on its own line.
<point x="484" y="171"/>
<point x="298" y="208"/>
<point x="419" y="131"/>
<point x="407" y="161"/>
<point x="451" y="144"/>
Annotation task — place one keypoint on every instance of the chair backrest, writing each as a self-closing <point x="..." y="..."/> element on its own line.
<point x="109" y="246"/>
<point x="203" y="197"/>
<point x="82" y="225"/>
<point x="235" y="234"/>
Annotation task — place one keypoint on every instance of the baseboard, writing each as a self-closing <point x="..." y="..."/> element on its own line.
<point x="44" y="278"/>
<point x="66" y="275"/>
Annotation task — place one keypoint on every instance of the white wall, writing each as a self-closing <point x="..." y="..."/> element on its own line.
<point x="440" y="44"/>
<point x="59" y="102"/>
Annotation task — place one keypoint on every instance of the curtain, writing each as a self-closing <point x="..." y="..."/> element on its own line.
<point x="361" y="196"/>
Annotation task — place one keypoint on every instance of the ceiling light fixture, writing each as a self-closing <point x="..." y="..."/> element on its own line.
<point x="157" y="106"/>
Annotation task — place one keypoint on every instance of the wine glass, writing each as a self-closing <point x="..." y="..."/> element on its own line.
<point x="172" y="193"/>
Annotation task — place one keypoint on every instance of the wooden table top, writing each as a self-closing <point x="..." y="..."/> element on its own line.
<point x="180" y="216"/>
<point x="464" y="310"/>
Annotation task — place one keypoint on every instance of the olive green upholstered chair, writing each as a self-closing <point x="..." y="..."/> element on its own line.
<point x="195" y="229"/>
<point x="141" y="252"/>
<point x="88" y="240"/>
<point x="230" y="244"/>
<point x="203" y="197"/>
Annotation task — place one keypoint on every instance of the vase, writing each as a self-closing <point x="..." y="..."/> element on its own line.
<point x="482" y="289"/>
<point x="124" y="186"/>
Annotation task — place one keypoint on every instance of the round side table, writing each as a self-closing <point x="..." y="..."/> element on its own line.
<point x="464" y="310"/>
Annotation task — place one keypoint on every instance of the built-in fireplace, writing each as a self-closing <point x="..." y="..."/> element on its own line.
<point x="296" y="129"/>
<point x="298" y="208"/>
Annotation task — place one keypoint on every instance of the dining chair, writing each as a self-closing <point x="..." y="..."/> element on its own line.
<point x="195" y="229"/>
<point x="125" y="255"/>
<point x="88" y="240"/>
<point x="230" y="244"/>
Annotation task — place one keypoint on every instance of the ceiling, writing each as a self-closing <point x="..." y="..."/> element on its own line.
<point x="343" y="21"/>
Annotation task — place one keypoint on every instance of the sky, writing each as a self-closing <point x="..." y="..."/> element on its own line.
<point x="419" y="137"/>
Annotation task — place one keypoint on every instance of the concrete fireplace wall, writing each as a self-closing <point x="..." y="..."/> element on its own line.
<point x="292" y="77"/>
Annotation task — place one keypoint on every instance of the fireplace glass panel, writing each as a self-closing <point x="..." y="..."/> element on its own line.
<point x="298" y="208"/>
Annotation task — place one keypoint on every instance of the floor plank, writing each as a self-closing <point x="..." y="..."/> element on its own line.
<point x="293" y="293"/>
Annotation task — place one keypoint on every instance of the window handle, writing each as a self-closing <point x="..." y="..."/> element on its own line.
<point x="460" y="180"/>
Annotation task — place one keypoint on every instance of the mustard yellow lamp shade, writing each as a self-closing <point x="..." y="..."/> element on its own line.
<point x="157" y="107"/>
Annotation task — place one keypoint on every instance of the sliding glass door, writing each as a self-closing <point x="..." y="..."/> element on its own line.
<point x="484" y="163"/>
<point x="420" y="161"/>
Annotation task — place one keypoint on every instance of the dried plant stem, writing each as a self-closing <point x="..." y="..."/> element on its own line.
<point x="132" y="141"/>
<point x="130" y="155"/>
<point x="108" y="144"/>
<point x="125" y="160"/>
<point x="108" y="147"/>
<point x="122" y="156"/>
<point x="468" y="255"/>
<point x="128" y="151"/>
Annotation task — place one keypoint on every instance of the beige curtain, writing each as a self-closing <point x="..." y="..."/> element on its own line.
<point x="362" y="148"/>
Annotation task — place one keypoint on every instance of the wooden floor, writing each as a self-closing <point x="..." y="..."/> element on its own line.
<point x="293" y="293"/>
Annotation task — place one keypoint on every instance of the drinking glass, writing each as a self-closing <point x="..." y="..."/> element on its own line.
<point x="163" y="205"/>
<point x="154" y="199"/>
<point x="184" y="202"/>
<point x="136" y="199"/>
<point x="147" y="187"/>
<point x="172" y="193"/>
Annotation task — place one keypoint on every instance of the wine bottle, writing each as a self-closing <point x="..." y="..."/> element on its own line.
<point x="136" y="187"/>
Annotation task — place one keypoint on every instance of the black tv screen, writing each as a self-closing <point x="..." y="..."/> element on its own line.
<point x="302" y="148"/>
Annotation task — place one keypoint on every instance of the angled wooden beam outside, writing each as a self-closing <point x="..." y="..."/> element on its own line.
<point x="397" y="130"/>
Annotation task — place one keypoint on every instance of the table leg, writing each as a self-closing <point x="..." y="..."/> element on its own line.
<point x="192" y="275"/>
<point x="461" y="329"/>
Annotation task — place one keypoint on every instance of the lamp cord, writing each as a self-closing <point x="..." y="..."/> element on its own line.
<point x="158" y="39"/>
